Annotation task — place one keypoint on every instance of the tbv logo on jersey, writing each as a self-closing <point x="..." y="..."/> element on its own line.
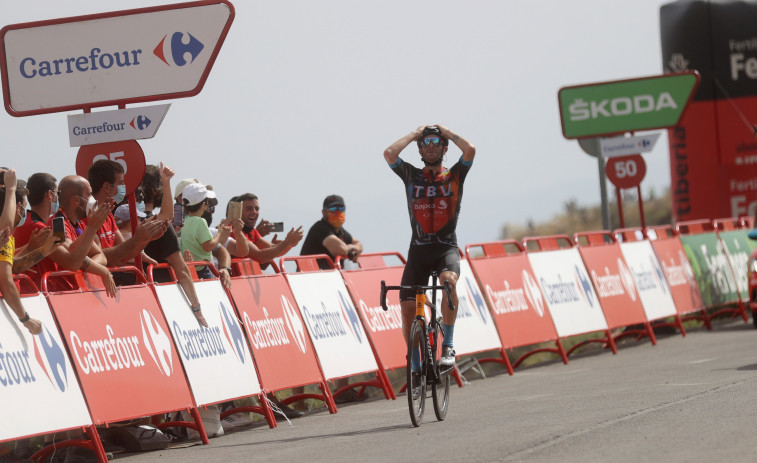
<point x="561" y="292"/>
<point x="177" y="49"/>
<point x="618" y="284"/>
<point x="272" y="331"/>
<point x="331" y="324"/>
<point x="15" y="368"/>
<point x="172" y="52"/>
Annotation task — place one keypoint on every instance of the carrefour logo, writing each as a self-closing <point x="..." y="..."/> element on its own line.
<point x="533" y="292"/>
<point x="584" y="285"/>
<point x="157" y="343"/>
<point x="51" y="358"/>
<point x="474" y="295"/>
<point x="232" y="331"/>
<point x="350" y="314"/>
<point x="294" y="324"/>
<point x="140" y="122"/>
<point x="174" y="51"/>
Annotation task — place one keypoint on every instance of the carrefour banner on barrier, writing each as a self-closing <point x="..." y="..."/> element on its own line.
<point x="333" y="323"/>
<point x="122" y="352"/>
<point x="738" y="248"/>
<point x="38" y="385"/>
<point x="384" y="328"/>
<point x="653" y="288"/>
<point x="283" y="352"/>
<point x="711" y="268"/>
<point x="568" y="292"/>
<point x="209" y="354"/>
<point x="679" y="275"/>
<point x="520" y="311"/>
<point x="474" y="327"/>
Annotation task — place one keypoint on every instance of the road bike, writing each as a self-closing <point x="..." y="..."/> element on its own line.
<point x="426" y="338"/>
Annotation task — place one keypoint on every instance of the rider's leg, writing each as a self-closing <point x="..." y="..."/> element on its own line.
<point x="449" y="316"/>
<point x="408" y="315"/>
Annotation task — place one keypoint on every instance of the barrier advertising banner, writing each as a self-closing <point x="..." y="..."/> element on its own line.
<point x="711" y="268"/>
<point x="122" y="353"/>
<point x="738" y="248"/>
<point x="614" y="284"/>
<point x="518" y="305"/>
<point x="568" y="292"/>
<point x="474" y="327"/>
<point x="283" y="352"/>
<point x="333" y="323"/>
<point x="650" y="280"/>
<point x="679" y="275"/>
<point x="36" y="377"/>
<point x="216" y="359"/>
<point x="384" y="328"/>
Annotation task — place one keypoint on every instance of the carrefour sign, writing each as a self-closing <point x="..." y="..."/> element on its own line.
<point x="112" y="58"/>
<point x="614" y="107"/>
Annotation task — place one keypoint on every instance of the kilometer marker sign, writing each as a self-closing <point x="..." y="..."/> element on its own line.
<point x="607" y="108"/>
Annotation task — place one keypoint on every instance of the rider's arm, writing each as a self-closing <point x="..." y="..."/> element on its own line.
<point x="392" y="153"/>
<point x="469" y="151"/>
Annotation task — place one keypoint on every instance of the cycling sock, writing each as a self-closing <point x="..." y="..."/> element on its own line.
<point x="415" y="360"/>
<point x="448" y="331"/>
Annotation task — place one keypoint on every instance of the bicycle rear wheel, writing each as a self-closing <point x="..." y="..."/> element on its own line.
<point x="440" y="388"/>
<point x="416" y="380"/>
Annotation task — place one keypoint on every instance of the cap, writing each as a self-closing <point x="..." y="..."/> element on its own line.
<point x="183" y="184"/>
<point x="333" y="200"/>
<point x="121" y="214"/>
<point x="194" y="193"/>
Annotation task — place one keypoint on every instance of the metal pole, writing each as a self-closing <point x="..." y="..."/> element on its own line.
<point x="603" y="193"/>
<point x="620" y="208"/>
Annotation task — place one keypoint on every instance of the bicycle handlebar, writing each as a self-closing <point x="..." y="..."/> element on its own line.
<point x="447" y="288"/>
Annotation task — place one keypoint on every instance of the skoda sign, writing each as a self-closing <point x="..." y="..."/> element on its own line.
<point x="627" y="105"/>
<point x="111" y="59"/>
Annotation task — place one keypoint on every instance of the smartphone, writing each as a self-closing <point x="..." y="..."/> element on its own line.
<point x="178" y="215"/>
<point x="278" y="227"/>
<point x="59" y="229"/>
<point x="235" y="210"/>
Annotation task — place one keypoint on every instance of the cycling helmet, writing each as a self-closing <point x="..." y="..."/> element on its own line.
<point x="432" y="130"/>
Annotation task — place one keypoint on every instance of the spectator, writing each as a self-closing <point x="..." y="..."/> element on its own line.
<point x="166" y="249"/>
<point x="13" y="203"/>
<point x="195" y="235"/>
<point x="123" y="219"/>
<point x="260" y="249"/>
<point x="328" y="236"/>
<point x="107" y="180"/>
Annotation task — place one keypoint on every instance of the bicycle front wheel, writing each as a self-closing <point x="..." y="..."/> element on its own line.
<point x="416" y="380"/>
<point x="440" y="388"/>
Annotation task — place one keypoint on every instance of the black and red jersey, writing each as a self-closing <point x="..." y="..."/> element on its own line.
<point x="433" y="202"/>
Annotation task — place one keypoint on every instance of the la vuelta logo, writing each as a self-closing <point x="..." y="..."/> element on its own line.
<point x="157" y="343"/>
<point x="51" y="358"/>
<point x="173" y="51"/>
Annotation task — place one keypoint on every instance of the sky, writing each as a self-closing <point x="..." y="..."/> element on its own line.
<point x="305" y="96"/>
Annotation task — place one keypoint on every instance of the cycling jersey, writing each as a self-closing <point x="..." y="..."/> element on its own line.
<point x="433" y="202"/>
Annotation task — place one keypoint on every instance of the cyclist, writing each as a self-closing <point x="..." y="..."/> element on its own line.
<point x="433" y="198"/>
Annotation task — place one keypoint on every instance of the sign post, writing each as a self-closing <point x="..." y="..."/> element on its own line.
<point x="627" y="172"/>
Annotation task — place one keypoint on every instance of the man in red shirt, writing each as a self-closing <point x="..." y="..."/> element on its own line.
<point x="106" y="178"/>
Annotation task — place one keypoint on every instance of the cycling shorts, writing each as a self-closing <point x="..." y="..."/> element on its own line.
<point x="422" y="260"/>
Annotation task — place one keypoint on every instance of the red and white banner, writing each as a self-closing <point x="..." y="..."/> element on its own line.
<point x="650" y="280"/>
<point x="614" y="285"/>
<point x="520" y="311"/>
<point x="679" y="275"/>
<point x="216" y="359"/>
<point x="125" y="358"/>
<point x="333" y="323"/>
<point x="38" y="385"/>
<point x="568" y="291"/>
<point x="283" y="352"/>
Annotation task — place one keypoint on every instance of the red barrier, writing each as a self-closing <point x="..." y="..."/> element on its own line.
<point x="514" y="298"/>
<point x="120" y="348"/>
<point x="678" y="272"/>
<point x="284" y="354"/>
<point x="613" y="283"/>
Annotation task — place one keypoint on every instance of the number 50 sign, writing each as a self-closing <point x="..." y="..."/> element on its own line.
<point x="128" y="153"/>
<point x="626" y="171"/>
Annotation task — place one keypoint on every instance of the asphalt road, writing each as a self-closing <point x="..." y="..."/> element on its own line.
<point x="686" y="399"/>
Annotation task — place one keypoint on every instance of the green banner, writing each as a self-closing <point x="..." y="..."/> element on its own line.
<point x="739" y="247"/>
<point x="624" y="106"/>
<point x="711" y="269"/>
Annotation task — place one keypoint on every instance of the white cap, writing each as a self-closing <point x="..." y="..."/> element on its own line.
<point x="183" y="184"/>
<point x="194" y="193"/>
<point x="122" y="214"/>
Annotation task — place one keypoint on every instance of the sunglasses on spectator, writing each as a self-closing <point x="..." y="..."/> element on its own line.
<point x="432" y="140"/>
<point x="336" y="208"/>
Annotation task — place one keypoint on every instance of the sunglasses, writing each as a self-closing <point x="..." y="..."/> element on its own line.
<point x="432" y="140"/>
<point x="336" y="208"/>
